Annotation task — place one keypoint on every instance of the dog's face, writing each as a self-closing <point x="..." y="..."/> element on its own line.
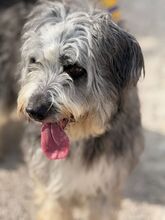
<point x="74" y="67"/>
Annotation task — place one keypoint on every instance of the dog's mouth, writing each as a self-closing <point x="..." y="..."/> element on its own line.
<point x="54" y="141"/>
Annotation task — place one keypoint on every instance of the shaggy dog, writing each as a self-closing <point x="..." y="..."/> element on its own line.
<point x="79" y="72"/>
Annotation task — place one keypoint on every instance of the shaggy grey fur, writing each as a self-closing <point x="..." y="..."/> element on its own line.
<point x="57" y="41"/>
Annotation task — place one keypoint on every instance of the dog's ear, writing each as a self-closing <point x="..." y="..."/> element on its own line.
<point x="118" y="50"/>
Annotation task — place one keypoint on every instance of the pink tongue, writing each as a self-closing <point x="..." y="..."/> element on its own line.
<point x="54" y="142"/>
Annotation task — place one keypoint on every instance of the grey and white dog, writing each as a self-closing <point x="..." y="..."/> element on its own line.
<point x="79" y="75"/>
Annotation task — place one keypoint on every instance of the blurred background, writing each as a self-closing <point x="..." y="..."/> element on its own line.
<point x="145" y="194"/>
<point x="144" y="197"/>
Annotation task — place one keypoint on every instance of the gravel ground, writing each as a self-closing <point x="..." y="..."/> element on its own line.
<point x="144" y="197"/>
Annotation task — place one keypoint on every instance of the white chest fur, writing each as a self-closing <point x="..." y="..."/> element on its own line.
<point x="69" y="177"/>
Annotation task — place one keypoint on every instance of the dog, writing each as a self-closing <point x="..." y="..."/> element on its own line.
<point x="79" y="74"/>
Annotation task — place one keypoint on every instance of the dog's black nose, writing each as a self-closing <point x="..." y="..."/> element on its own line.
<point x="38" y="107"/>
<point x="38" y="113"/>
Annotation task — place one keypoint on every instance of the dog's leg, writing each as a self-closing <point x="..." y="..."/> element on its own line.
<point x="49" y="211"/>
<point x="53" y="210"/>
<point x="105" y="211"/>
<point x="103" y="208"/>
<point x="97" y="208"/>
<point x="48" y="208"/>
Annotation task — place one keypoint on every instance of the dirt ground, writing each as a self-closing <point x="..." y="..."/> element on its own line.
<point x="144" y="197"/>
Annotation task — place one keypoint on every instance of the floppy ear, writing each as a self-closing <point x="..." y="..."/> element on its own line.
<point x="118" y="50"/>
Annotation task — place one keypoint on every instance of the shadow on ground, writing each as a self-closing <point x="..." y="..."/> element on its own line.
<point x="147" y="184"/>
<point x="11" y="154"/>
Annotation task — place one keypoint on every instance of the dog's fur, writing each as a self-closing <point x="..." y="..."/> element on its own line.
<point x="106" y="137"/>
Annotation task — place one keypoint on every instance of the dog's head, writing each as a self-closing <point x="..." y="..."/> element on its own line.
<point x="74" y="68"/>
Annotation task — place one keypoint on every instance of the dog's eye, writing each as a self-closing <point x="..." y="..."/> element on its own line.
<point x="32" y="60"/>
<point x="75" y="71"/>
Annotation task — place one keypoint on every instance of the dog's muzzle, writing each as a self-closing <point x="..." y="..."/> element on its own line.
<point x="39" y="107"/>
<point x="54" y="141"/>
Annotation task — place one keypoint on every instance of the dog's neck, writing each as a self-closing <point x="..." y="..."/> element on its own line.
<point x="92" y="126"/>
<point x="88" y="126"/>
